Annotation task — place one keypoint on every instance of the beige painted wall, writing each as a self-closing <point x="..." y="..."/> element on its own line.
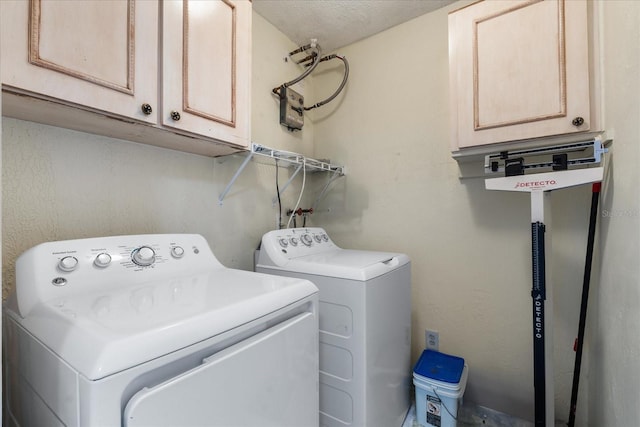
<point x="269" y="50"/>
<point x="1" y="275"/>
<point x="614" y="371"/>
<point x="471" y="248"/>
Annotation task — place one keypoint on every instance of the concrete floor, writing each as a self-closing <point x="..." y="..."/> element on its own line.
<point x="474" y="415"/>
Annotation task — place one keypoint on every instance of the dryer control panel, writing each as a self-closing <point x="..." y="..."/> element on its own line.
<point x="73" y="267"/>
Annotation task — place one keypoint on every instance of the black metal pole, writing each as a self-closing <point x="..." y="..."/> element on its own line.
<point x="539" y="296"/>
<point x="585" y="298"/>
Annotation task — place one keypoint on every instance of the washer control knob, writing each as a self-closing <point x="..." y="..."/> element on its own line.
<point x="294" y="241"/>
<point x="68" y="263"/>
<point x="325" y="237"/>
<point x="143" y="256"/>
<point x="283" y="242"/>
<point x="317" y="238"/>
<point x="306" y="239"/>
<point x="177" y="252"/>
<point x="102" y="260"/>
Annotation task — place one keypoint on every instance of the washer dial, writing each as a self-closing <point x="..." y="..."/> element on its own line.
<point x="306" y="239"/>
<point x="102" y="260"/>
<point x="143" y="256"/>
<point x="68" y="263"/>
<point x="177" y="252"/>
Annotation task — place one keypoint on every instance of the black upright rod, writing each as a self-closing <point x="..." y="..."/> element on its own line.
<point x="585" y="298"/>
<point x="538" y="295"/>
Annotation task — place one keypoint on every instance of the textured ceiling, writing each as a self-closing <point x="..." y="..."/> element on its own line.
<point x="337" y="23"/>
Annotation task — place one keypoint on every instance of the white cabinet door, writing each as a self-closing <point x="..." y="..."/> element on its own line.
<point x="100" y="55"/>
<point x="518" y="70"/>
<point x="206" y="68"/>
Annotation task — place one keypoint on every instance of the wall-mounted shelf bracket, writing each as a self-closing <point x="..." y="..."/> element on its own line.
<point x="286" y="184"/>
<point x="293" y="159"/>
<point x="332" y="178"/>
<point x="234" y="178"/>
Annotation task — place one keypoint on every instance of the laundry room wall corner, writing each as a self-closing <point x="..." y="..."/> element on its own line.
<point x="470" y="250"/>
<point x="61" y="184"/>
<point x="1" y="269"/>
<point x="613" y="374"/>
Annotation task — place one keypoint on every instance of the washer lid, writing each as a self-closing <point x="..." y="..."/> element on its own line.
<point x="345" y="264"/>
<point x="100" y="334"/>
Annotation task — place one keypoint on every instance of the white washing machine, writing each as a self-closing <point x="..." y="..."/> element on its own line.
<point x="152" y="330"/>
<point x="365" y="324"/>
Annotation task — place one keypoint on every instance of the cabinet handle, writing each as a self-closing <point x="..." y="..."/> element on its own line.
<point x="578" y="121"/>
<point x="146" y="109"/>
<point x="175" y="115"/>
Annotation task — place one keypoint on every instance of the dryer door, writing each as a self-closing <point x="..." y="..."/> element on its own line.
<point x="270" y="379"/>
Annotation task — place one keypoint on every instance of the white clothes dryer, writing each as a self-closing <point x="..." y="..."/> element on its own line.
<point x="151" y="330"/>
<point x="365" y="324"/>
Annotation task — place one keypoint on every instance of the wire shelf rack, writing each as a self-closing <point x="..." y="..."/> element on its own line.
<point x="294" y="159"/>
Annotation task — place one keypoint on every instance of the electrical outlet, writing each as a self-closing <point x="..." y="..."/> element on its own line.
<point x="432" y="339"/>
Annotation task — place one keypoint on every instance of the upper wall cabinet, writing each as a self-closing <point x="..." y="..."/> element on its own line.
<point x="97" y="54"/>
<point x="173" y="73"/>
<point x="519" y="70"/>
<point x="207" y="83"/>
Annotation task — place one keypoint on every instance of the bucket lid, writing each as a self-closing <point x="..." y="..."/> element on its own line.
<point x="439" y="366"/>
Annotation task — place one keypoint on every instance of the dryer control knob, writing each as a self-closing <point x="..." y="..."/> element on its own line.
<point x="68" y="263"/>
<point x="102" y="260"/>
<point x="177" y="251"/>
<point x="143" y="256"/>
<point x="306" y="239"/>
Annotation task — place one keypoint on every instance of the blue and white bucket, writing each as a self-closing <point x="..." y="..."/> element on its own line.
<point x="440" y="380"/>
